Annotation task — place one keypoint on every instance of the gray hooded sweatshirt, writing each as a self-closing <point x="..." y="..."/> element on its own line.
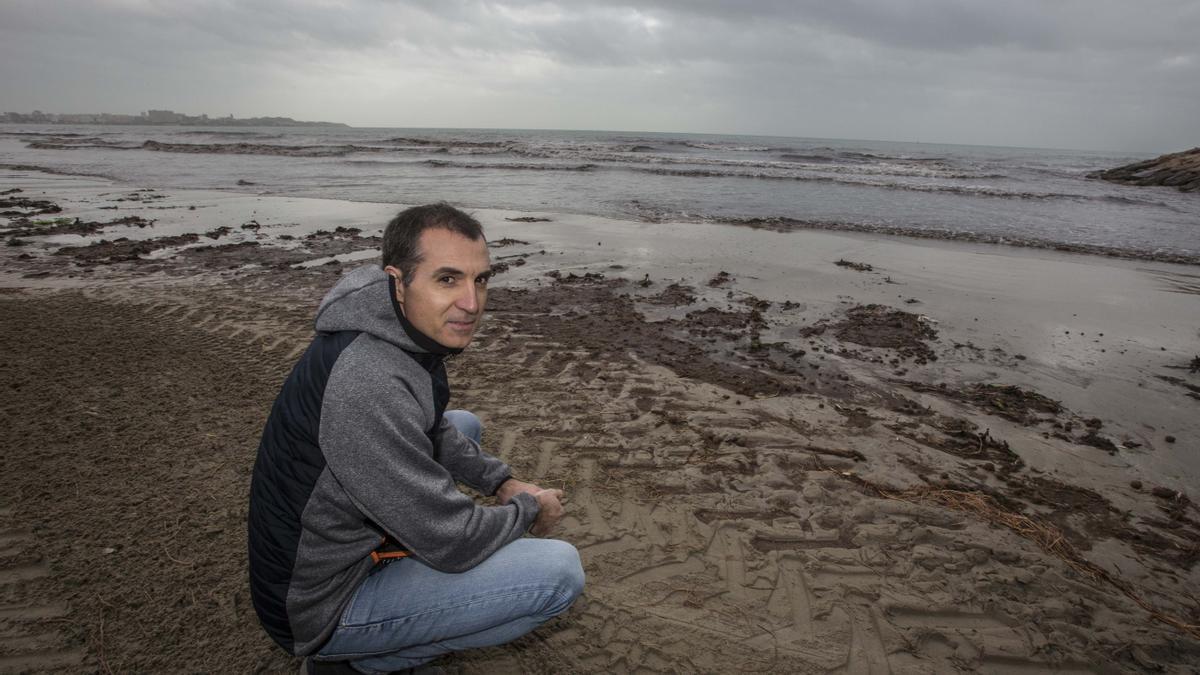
<point x="356" y="451"/>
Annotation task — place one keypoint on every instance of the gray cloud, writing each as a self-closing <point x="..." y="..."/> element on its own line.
<point x="1080" y="73"/>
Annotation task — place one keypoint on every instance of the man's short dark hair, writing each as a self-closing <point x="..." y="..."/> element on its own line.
<point x="403" y="233"/>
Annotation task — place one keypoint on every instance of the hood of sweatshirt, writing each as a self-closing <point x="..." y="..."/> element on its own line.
<point x="364" y="300"/>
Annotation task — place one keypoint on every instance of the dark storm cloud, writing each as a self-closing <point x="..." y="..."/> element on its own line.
<point x="1096" y="73"/>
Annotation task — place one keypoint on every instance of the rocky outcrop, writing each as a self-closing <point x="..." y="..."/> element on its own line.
<point x="1180" y="169"/>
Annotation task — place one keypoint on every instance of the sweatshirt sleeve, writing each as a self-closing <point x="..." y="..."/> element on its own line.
<point x="372" y="436"/>
<point x="469" y="463"/>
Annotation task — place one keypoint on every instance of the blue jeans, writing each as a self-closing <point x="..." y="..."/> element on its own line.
<point x="406" y="613"/>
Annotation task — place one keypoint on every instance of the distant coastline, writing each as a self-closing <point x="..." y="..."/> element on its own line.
<point x="157" y="118"/>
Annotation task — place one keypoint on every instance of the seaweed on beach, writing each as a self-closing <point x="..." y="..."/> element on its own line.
<point x="1192" y="390"/>
<point x="1004" y="400"/>
<point x="29" y="207"/>
<point x="882" y="327"/>
<point x="123" y="249"/>
<point x="507" y="241"/>
<point x="587" y="278"/>
<point x="502" y="266"/>
<point x="962" y="438"/>
<point x="143" y="195"/>
<point x="338" y="232"/>
<point x="856" y="266"/>
<point x="37" y="228"/>
<point x="674" y="295"/>
<point x="720" y="279"/>
<point x="1094" y="439"/>
<point x="712" y="320"/>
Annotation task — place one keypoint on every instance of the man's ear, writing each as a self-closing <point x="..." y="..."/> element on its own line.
<point x="399" y="285"/>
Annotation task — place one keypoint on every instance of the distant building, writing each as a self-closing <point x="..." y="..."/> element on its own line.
<point x="154" y="117"/>
<point x="163" y="117"/>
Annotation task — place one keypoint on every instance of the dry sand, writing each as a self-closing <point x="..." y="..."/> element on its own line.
<point x="956" y="459"/>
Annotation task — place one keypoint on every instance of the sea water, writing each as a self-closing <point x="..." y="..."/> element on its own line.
<point x="1024" y="196"/>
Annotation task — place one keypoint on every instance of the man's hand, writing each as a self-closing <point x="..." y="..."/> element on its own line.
<point x="513" y="487"/>
<point x="549" y="513"/>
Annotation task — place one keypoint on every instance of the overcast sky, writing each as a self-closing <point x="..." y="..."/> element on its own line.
<point x="1102" y="74"/>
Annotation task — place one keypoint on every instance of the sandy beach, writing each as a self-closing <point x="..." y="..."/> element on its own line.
<point x="782" y="451"/>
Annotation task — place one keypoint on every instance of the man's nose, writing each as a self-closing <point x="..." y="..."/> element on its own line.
<point x="468" y="301"/>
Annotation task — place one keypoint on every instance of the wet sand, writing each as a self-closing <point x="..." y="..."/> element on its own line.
<point x="965" y="457"/>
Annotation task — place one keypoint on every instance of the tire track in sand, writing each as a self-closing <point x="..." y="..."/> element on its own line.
<point x="713" y="538"/>
<point x="29" y="636"/>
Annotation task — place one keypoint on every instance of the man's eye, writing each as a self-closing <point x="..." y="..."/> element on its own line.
<point x="482" y="281"/>
<point x="447" y="280"/>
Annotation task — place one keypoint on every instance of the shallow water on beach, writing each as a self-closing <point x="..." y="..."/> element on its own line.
<point x="1024" y="196"/>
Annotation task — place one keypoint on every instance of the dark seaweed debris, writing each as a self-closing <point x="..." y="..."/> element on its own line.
<point x="720" y="279"/>
<point x="884" y="327"/>
<point x="1192" y="390"/>
<point x="122" y="250"/>
<point x="1005" y="400"/>
<point x="507" y="241"/>
<point x="71" y="226"/>
<point x="31" y="207"/>
<point x="857" y="266"/>
<point x="673" y="295"/>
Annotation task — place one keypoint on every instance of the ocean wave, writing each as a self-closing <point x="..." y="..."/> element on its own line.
<point x="382" y="162"/>
<point x="1134" y="201"/>
<point x="717" y="145"/>
<point x="635" y="152"/>
<point x="232" y="134"/>
<point x="964" y="190"/>
<point x="821" y="165"/>
<point x="449" y="143"/>
<point x="816" y="159"/>
<point x="259" y="149"/>
<point x="973" y="190"/>
<point x="830" y="156"/>
<point x="55" y="172"/>
<point x="59" y="143"/>
<point x="514" y="166"/>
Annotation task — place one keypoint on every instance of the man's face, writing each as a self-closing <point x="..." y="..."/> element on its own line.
<point x="449" y="287"/>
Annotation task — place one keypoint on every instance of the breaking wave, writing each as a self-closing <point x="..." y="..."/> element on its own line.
<point x="259" y="149"/>
<point x="230" y="134"/>
<point x="513" y="166"/>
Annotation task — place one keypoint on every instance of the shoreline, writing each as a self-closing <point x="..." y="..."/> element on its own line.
<point x="822" y="431"/>
<point x="1181" y="251"/>
<point x="780" y="223"/>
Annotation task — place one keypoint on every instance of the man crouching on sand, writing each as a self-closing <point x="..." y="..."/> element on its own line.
<point x="364" y="555"/>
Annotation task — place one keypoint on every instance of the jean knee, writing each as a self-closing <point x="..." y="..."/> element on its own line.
<point x="467" y="423"/>
<point x="566" y="569"/>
